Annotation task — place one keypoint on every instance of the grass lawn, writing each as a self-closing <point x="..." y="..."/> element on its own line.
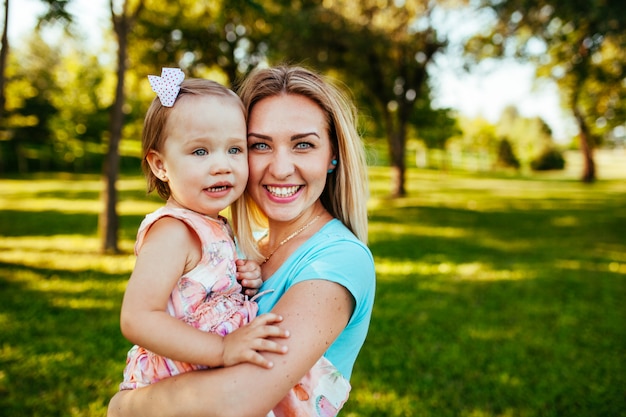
<point x="497" y="296"/>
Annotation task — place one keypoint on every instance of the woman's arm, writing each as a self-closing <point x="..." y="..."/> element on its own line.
<point x="314" y="312"/>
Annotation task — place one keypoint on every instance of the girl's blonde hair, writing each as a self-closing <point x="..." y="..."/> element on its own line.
<point x="346" y="192"/>
<point x="155" y="125"/>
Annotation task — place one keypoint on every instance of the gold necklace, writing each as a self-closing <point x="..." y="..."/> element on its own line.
<point x="291" y="236"/>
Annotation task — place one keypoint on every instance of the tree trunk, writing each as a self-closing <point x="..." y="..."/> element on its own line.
<point x="398" y="164"/>
<point x="109" y="219"/>
<point x="586" y="147"/>
<point x="4" y="53"/>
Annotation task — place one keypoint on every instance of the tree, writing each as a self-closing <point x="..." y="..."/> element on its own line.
<point x="205" y="39"/>
<point x="4" y="54"/>
<point x="581" y="45"/>
<point x="381" y="49"/>
<point x="123" y="18"/>
<point x="30" y="107"/>
<point x="56" y="12"/>
<point x="528" y="136"/>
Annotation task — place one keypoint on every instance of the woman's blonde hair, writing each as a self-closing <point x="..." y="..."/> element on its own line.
<point x="155" y="125"/>
<point x="346" y="192"/>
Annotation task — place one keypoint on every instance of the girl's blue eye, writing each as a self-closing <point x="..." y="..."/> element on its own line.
<point x="200" y="152"/>
<point x="235" y="151"/>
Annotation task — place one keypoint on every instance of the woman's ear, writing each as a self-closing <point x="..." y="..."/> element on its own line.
<point x="157" y="165"/>
<point x="332" y="165"/>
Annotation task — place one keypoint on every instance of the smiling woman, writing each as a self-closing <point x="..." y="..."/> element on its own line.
<point x="303" y="145"/>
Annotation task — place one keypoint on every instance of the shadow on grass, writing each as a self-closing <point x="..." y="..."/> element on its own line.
<point x="533" y="327"/>
<point x="537" y="347"/>
<point x="510" y="309"/>
<point x="61" y="344"/>
<point x="15" y="223"/>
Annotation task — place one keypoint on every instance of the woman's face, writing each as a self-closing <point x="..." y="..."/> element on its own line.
<point x="289" y="155"/>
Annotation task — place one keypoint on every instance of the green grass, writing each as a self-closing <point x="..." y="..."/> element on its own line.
<point x="496" y="297"/>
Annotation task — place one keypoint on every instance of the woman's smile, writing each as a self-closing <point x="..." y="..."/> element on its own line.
<point x="283" y="191"/>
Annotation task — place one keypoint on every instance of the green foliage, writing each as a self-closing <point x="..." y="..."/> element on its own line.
<point x="495" y="297"/>
<point x="528" y="136"/>
<point x="549" y="159"/>
<point x="506" y="156"/>
<point x="578" y="44"/>
<point x="57" y="112"/>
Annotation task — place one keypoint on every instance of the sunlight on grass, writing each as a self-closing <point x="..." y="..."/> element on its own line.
<point x="65" y="252"/>
<point x="455" y="190"/>
<point x="41" y="281"/>
<point x="485" y="413"/>
<point x="388" y="403"/>
<point x="390" y="271"/>
<point x="493" y="333"/>
<point x="40" y="204"/>
<point x="86" y="303"/>
<point x="70" y="262"/>
<point x="53" y="194"/>
<point x="35" y="204"/>
<point x="575" y="264"/>
<point x="415" y="229"/>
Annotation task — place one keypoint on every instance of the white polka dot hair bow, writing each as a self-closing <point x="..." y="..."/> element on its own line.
<point x="167" y="85"/>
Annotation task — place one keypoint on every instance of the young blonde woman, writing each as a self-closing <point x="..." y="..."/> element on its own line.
<point x="308" y="186"/>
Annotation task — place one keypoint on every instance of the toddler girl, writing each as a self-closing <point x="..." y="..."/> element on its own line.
<point x="184" y="307"/>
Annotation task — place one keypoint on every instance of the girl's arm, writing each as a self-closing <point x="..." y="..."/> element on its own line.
<point x="170" y="248"/>
<point x="249" y="276"/>
<point x="315" y="312"/>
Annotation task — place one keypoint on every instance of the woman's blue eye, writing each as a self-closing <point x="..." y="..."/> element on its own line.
<point x="259" y="146"/>
<point x="304" y="145"/>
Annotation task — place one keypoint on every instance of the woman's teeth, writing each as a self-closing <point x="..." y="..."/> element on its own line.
<point x="283" y="191"/>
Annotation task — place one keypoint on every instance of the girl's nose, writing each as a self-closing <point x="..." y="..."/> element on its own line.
<point x="220" y="164"/>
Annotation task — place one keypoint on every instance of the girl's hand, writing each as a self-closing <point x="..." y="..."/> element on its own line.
<point x="245" y="343"/>
<point x="249" y="276"/>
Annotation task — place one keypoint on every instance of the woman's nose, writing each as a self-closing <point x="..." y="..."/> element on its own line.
<point x="281" y="165"/>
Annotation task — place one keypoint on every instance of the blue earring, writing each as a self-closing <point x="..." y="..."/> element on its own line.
<point x="334" y="163"/>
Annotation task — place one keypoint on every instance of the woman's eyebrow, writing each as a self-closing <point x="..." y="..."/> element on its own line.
<point x="304" y="135"/>
<point x="293" y="137"/>
<point x="258" y="135"/>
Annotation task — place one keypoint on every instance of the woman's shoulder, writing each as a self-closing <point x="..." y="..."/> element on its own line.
<point x="335" y="234"/>
<point x="333" y="248"/>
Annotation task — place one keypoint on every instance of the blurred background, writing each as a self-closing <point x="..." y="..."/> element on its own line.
<point x="448" y="84"/>
<point x="495" y="133"/>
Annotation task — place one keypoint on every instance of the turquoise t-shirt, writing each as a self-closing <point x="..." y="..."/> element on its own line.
<point x="333" y="254"/>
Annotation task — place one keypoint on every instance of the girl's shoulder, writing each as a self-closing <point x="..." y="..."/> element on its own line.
<point x="206" y="228"/>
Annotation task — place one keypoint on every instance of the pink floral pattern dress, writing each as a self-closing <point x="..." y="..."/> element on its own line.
<point x="208" y="297"/>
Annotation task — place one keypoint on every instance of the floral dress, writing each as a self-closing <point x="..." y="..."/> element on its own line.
<point x="208" y="297"/>
<point x="322" y="392"/>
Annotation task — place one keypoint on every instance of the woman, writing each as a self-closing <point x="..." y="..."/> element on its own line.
<point x="308" y="185"/>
